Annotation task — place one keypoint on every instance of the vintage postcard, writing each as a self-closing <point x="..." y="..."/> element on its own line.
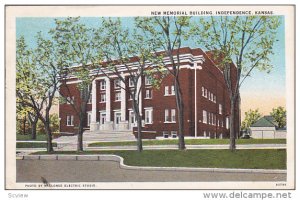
<point x="150" y="97"/>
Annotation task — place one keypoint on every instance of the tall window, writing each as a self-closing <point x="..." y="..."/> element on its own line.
<point x="117" y="83"/>
<point x="89" y="117"/>
<point x="118" y="96"/>
<point x="70" y="120"/>
<point x="166" y="115"/>
<point x="172" y="90"/>
<point x="203" y="91"/>
<point x="131" y="95"/>
<point x="103" y="97"/>
<point x="167" y="90"/>
<point x="208" y="95"/>
<point x="131" y="82"/>
<point x="102" y="85"/>
<point x="70" y="100"/>
<point x="148" y="116"/>
<point x="173" y="115"/>
<point x="227" y="122"/>
<point x="90" y="98"/>
<point x="204" y="117"/>
<point x="148" y="94"/>
<point x="147" y="80"/>
<point x="220" y="109"/>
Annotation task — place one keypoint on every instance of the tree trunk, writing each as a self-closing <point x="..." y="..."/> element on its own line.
<point x="180" y="109"/>
<point x="139" y="134"/>
<point x="24" y="125"/>
<point x="80" y="135"/>
<point x="33" y="130"/>
<point x="49" y="137"/>
<point x="232" y="124"/>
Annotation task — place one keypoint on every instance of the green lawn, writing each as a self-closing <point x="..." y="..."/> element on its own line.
<point x="33" y="145"/>
<point x="39" y="137"/>
<point x="191" y="142"/>
<point x="246" y="159"/>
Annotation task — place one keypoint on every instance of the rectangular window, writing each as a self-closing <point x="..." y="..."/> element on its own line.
<point x="204" y="117"/>
<point x="118" y="96"/>
<point x="70" y="100"/>
<point x="174" y="134"/>
<point x="89" y="117"/>
<point x="148" y="94"/>
<point x="220" y="109"/>
<point x="103" y="97"/>
<point x="103" y="85"/>
<point x="148" y="116"/>
<point x="172" y="90"/>
<point x="208" y="95"/>
<point x="227" y="122"/>
<point x="167" y="91"/>
<point x="70" y="120"/>
<point x="215" y="99"/>
<point x="166" y="115"/>
<point x="211" y="96"/>
<point x="131" y="94"/>
<point x="203" y="91"/>
<point x="147" y="80"/>
<point x="117" y="83"/>
<point x="90" y="97"/>
<point x="173" y="115"/>
<point x="165" y="134"/>
<point x="131" y="82"/>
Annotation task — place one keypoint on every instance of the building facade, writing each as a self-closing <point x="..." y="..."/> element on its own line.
<point x="204" y="93"/>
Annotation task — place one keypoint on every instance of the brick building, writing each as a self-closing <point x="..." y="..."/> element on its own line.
<point x="206" y="102"/>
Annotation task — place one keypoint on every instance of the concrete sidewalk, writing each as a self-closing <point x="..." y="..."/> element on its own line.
<point x="120" y="160"/>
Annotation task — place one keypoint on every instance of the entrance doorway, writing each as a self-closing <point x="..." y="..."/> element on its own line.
<point x="117" y="119"/>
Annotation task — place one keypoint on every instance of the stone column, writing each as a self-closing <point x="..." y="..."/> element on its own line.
<point x="94" y="125"/>
<point x="108" y="125"/>
<point x="123" y="125"/>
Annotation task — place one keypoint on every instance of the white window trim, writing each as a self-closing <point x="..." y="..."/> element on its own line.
<point x="167" y="116"/>
<point x="204" y="117"/>
<point x="72" y="120"/>
<point x="147" y="81"/>
<point x="151" y="116"/>
<point x="117" y="86"/>
<point x="119" y="99"/>
<point x="172" y="90"/>
<point x="173" y="111"/>
<point x="150" y="94"/>
<point x="167" y="91"/>
<point x="102" y="85"/>
<point x="101" y="94"/>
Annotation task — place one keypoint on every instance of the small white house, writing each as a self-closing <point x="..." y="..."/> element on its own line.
<point x="266" y="128"/>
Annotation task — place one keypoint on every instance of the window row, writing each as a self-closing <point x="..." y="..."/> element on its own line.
<point x="211" y="118"/>
<point x="171" y="134"/>
<point x="207" y="94"/>
<point x="212" y="134"/>
<point x="117" y="83"/>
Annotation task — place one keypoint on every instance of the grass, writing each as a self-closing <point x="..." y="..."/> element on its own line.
<point x="33" y="145"/>
<point x="244" y="159"/>
<point x="190" y="142"/>
<point x="39" y="137"/>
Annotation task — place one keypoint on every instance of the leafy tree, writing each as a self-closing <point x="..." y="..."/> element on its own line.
<point x="75" y="43"/>
<point x="168" y="32"/>
<point x="246" y="40"/>
<point x="119" y="45"/>
<point x="37" y="80"/>
<point x="279" y="115"/>
<point x="251" y="116"/>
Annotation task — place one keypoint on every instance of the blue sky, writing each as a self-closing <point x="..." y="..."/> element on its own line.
<point x="260" y="83"/>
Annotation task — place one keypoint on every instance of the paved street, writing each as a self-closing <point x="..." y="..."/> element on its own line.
<point x="110" y="171"/>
